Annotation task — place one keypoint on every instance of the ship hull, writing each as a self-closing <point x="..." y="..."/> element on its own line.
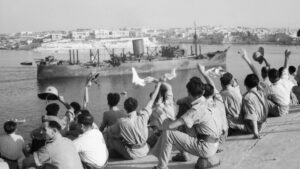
<point x="144" y="66"/>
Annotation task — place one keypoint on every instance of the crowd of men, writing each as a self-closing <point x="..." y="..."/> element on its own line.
<point x="196" y="124"/>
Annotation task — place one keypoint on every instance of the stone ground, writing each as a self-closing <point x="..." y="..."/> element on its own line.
<point x="279" y="148"/>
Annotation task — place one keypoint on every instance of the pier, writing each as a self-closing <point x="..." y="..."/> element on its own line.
<point x="278" y="148"/>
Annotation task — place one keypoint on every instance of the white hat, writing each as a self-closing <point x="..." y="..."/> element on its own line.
<point x="50" y="93"/>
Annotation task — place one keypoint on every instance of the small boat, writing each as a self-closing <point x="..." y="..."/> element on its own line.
<point x="26" y="63"/>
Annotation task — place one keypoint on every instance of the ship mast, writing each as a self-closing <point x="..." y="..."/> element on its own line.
<point x="195" y="40"/>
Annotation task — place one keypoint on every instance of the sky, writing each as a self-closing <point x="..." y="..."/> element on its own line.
<point x="45" y="15"/>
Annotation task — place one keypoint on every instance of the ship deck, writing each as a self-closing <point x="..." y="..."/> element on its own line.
<point x="279" y="148"/>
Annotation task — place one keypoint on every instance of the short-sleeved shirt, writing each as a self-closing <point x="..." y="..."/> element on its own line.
<point x="133" y="129"/>
<point x="200" y="116"/>
<point x="111" y="117"/>
<point x="233" y="102"/>
<point x="280" y="91"/>
<point x="92" y="148"/>
<point x="11" y="146"/>
<point x="219" y="112"/>
<point x="163" y="109"/>
<point x="61" y="153"/>
<point x="255" y="106"/>
<point x="3" y="164"/>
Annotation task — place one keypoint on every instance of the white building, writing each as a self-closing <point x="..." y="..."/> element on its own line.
<point x="118" y="34"/>
<point x="56" y="36"/>
<point x="80" y="35"/>
<point x="101" y="34"/>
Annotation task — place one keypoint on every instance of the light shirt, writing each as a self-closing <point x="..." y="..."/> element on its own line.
<point x="92" y="148"/>
<point x="233" y="101"/>
<point x="133" y="128"/>
<point x="163" y="110"/>
<point x="61" y="153"/>
<point x="3" y="164"/>
<point x="255" y="106"/>
<point x="280" y="91"/>
<point x="200" y="116"/>
<point x="133" y="132"/>
<point x="219" y="112"/>
<point x="11" y="146"/>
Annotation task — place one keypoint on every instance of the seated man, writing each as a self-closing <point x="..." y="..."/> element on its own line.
<point x="11" y="146"/>
<point x="280" y="90"/>
<point x="232" y="99"/>
<point x="58" y="151"/>
<point x="38" y="138"/>
<point x="129" y="135"/>
<point x="111" y="116"/>
<point x="163" y="107"/>
<point x="90" y="145"/>
<point x="255" y="104"/>
<point x="205" y="141"/>
<point x="292" y="74"/>
<point x="215" y="102"/>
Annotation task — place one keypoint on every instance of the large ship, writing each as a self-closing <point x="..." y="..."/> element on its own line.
<point x="153" y="60"/>
<point x="51" y="68"/>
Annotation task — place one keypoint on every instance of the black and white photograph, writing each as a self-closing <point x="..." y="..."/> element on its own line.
<point x="149" y="84"/>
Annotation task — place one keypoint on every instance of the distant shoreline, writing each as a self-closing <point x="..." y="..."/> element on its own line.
<point x="159" y="43"/>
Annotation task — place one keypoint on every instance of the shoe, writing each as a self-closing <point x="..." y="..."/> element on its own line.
<point x="180" y="158"/>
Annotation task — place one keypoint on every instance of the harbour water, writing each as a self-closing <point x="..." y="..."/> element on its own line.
<point x="19" y="86"/>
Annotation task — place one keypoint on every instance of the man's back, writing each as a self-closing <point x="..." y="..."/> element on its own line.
<point x="280" y="91"/>
<point x="92" y="148"/>
<point x="11" y="146"/>
<point x="134" y="129"/>
<point x="61" y="153"/>
<point x="255" y="106"/>
<point x="111" y="117"/>
<point x="232" y="103"/>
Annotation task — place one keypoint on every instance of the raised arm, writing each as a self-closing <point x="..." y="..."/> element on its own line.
<point x="154" y="95"/>
<point x="267" y="63"/>
<point x="244" y="55"/>
<point x="208" y="80"/>
<point x="63" y="101"/>
<point x="287" y="54"/>
<point x="86" y="91"/>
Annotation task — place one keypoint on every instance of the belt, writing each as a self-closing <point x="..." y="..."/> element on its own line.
<point x="135" y="146"/>
<point x="7" y="159"/>
<point x="207" y="138"/>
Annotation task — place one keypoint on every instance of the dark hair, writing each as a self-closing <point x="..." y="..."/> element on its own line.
<point x="54" y="125"/>
<point x="86" y="112"/>
<point x="130" y="104"/>
<point x="280" y="70"/>
<point x="208" y="90"/>
<point x="226" y="79"/>
<point x="113" y="99"/>
<point x="49" y="166"/>
<point x="86" y="119"/>
<point x="161" y="93"/>
<point x="10" y="127"/>
<point x="195" y="87"/>
<point x="273" y="74"/>
<point x="52" y="109"/>
<point x="264" y="72"/>
<point x="251" y="81"/>
<point x="76" y="106"/>
<point x="292" y="69"/>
